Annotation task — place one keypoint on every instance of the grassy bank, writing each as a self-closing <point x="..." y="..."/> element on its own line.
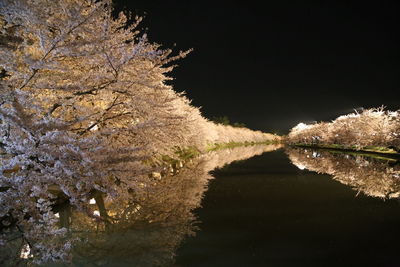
<point x="370" y="151"/>
<point x="373" y="131"/>
<point x="165" y="165"/>
<point x="215" y="147"/>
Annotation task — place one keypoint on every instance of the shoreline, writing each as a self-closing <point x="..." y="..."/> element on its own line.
<point x="375" y="152"/>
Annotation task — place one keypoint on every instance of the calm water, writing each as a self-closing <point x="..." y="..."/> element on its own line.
<point x="266" y="212"/>
<point x="272" y="208"/>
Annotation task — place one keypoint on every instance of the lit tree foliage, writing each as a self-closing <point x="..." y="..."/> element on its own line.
<point x="84" y="107"/>
<point x="372" y="127"/>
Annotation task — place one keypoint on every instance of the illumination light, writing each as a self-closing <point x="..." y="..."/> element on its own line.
<point x="25" y="252"/>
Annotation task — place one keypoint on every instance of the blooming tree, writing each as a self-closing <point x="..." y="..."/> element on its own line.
<point x="372" y="127"/>
<point x="84" y="103"/>
<point x="84" y="107"/>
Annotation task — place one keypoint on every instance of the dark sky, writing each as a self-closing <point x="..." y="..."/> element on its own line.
<point x="271" y="66"/>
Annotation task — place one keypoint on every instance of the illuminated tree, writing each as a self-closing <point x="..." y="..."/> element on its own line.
<point x="372" y="127"/>
<point x="84" y="107"/>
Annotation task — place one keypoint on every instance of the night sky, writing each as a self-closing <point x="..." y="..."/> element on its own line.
<point x="275" y="64"/>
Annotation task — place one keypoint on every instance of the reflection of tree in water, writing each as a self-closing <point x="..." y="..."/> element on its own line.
<point x="374" y="177"/>
<point x="143" y="230"/>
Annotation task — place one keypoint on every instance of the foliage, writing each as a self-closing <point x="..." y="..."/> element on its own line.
<point x="224" y="120"/>
<point x="216" y="146"/>
<point x="370" y="128"/>
<point x="84" y="108"/>
<point x="220" y="134"/>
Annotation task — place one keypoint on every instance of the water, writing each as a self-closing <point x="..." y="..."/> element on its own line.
<point x="266" y="212"/>
<point x="275" y="207"/>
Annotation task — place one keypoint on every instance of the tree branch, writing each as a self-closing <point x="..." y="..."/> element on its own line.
<point x="55" y="45"/>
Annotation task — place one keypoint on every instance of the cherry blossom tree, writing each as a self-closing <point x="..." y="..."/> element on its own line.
<point x="84" y="108"/>
<point x="371" y="127"/>
<point x="84" y="104"/>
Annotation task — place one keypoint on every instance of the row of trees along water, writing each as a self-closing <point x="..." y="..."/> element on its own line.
<point x="85" y="106"/>
<point x="375" y="130"/>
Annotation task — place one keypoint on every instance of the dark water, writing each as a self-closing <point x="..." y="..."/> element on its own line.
<point x="266" y="212"/>
<point x="285" y="207"/>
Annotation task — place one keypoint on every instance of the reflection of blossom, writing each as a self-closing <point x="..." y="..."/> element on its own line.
<point x="144" y="228"/>
<point x="373" y="177"/>
<point x="217" y="159"/>
<point x="156" y="219"/>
